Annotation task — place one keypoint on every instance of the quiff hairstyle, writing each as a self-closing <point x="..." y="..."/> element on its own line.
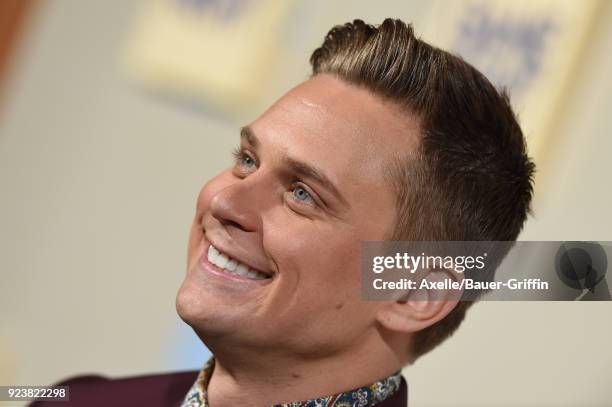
<point x="470" y="178"/>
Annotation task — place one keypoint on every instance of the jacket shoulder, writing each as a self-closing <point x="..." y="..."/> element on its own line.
<point x="164" y="389"/>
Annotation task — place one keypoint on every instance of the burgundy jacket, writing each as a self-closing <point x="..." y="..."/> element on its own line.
<point x="160" y="390"/>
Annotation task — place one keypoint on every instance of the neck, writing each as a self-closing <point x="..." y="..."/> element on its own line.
<point x="243" y="378"/>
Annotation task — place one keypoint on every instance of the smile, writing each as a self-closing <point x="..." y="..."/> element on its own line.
<point x="232" y="266"/>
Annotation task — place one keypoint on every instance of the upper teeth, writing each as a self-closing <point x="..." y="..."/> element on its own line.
<point x="232" y="266"/>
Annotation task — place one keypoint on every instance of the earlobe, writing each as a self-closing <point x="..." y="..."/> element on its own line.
<point x="425" y="305"/>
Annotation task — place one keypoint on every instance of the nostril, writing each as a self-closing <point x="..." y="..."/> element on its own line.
<point x="229" y="222"/>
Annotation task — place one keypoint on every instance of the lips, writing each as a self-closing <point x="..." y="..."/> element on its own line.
<point x="232" y="266"/>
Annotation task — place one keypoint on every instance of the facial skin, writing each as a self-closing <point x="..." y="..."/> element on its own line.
<point x="308" y="319"/>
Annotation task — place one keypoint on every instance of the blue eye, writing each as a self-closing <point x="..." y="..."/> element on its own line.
<point x="243" y="159"/>
<point x="247" y="161"/>
<point x="300" y="194"/>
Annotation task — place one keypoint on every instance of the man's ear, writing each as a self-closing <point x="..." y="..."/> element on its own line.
<point x="433" y="298"/>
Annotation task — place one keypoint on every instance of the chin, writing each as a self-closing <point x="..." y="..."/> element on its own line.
<point x="191" y="310"/>
<point x="202" y="313"/>
<point x="188" y="304"/>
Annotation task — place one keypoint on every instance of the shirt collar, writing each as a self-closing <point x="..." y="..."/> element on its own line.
<point x="366" y="396"/>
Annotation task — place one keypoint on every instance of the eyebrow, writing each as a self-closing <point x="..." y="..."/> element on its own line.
<point x="247" y="134"/>
<point x="298" y="167"/>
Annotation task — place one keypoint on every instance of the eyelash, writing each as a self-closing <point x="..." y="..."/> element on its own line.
<point x="240" y="155"/>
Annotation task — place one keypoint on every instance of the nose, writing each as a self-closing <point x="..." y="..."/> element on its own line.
<point x="237" y="205"/>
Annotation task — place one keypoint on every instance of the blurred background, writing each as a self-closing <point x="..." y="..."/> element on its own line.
<point x="113" y="114"/>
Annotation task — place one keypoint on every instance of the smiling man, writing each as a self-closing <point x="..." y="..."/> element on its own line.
<point x="390" y="139"/>
<point x="273" y="285"/>
<point x="363" y="150"/>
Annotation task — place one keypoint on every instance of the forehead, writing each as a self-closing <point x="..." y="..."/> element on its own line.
<point x="343" y="129"/>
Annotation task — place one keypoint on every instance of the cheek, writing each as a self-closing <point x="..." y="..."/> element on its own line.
<point x="320" y="294"/>
<point x="319" y="262"/>
<point x="336" y="274"/>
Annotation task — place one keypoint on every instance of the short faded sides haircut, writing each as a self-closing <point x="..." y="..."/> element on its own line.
<point x="471" y="178"/>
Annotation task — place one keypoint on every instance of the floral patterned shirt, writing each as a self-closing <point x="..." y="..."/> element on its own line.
<point x="366" y="396"/>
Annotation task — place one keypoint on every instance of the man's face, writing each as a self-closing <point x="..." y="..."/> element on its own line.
<point x="308" y="186"/>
